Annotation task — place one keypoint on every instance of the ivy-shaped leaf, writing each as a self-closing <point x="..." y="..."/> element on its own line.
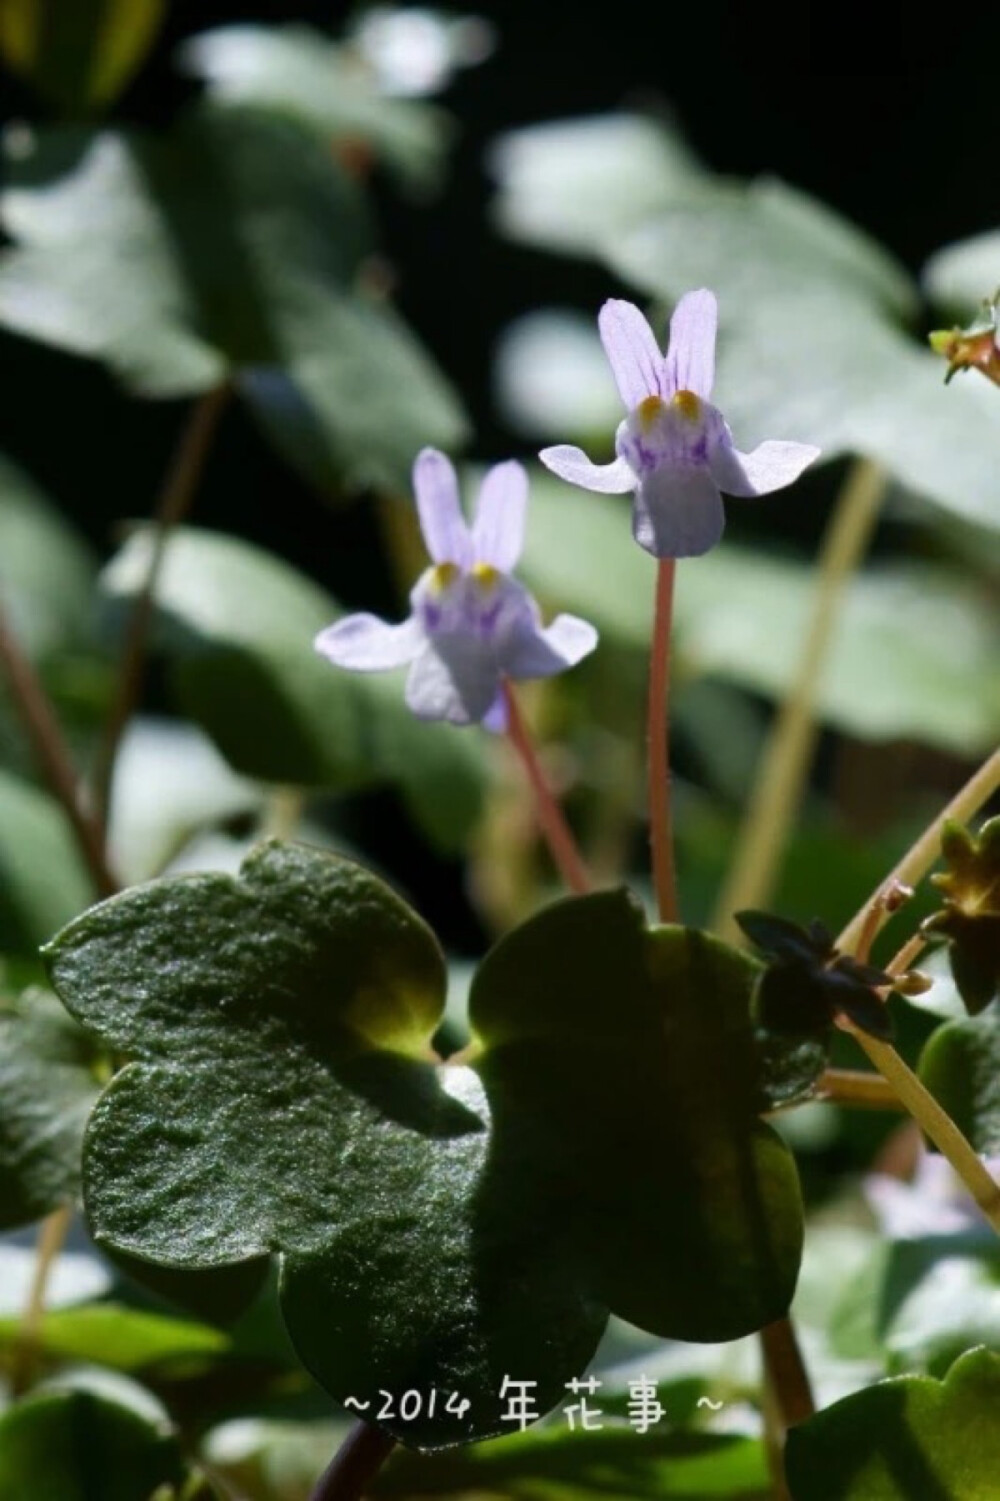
<point x="907" y="1439"/>
<point x="970" y="918"/>
<point x="439" y="1227"/>
<point x="48" y="1084"/>
<point x="297" y="71"/>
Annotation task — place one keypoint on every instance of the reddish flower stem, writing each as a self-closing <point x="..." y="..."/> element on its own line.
<point x="52" y="753"/>
<point x="661" y="835"/>
<point x="558" y="837"/>
<point x="359" y="1458"/>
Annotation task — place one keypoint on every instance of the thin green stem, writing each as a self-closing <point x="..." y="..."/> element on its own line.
<point x="935" y="1122"/>
<point x="661" y="829"/>
<point x="51" y="1239"/>
<point x="859" y="1088"/>
<point x="784" y="767"/>
<point x="357" y="1461"/>
<point x="555" y="829"/>
<point x="174" y="502"/>
<point x="52" y="753"/>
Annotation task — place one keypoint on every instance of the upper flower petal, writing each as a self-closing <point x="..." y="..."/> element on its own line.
<point x="454" y="679"/>
<point x="535" y="653"/>
<point x="572" y="464"/>
<point x="631" y="347"/>
<point x="678" y="512"/>
<point x="498" y="530"/>
<point x="690" y="361"/>
<point x="771" y="466"/>
<point x="441" y="521"/>
<point x="367" y="644"/>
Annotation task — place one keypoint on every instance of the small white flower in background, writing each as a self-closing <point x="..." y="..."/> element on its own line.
<point x="675" y="449"/>
<point x="471" y="624"/>
<point x="934" y="1202"/>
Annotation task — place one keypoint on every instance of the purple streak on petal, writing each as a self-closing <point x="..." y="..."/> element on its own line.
<point x="631" y="347"/>
<point x="535" y="653"/>
<point x="446" y="535"/>
<point x="572" y="464"/>
<point x="455" y="679"/>
<point x="678" y="512"/>
<point x="498" y="530"/>
<point x="367" y="644"/>
<point x="771" y="466"/>
<point x="690" y="362"/>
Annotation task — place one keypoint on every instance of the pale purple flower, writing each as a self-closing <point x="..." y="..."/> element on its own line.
<point x="471" y="624"/>
<point x="674" y="448"/>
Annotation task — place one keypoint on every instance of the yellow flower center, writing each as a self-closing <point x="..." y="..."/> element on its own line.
<point x="485" y="575"/>
<point x="443" y="575"/>
<point x="649" y="409"/>
<point x="688" y="404"/>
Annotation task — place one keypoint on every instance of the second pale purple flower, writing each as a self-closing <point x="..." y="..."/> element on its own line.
<point x="675" y="449"/>
<point x="471" y="624"/>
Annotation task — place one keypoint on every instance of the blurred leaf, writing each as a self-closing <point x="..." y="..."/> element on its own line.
<point x="237" y="626"/>
<point x="960" y="1065"/>
<point x="79" y="55"/>
<point x="43" y="881"/>
<point x="903" y="1439"/>
<point x="78" y="1446"/>
<point x="231" y="248"/>
<point x="47" y="571"/>
<point x="298" y="72"/>
<point x="574" y="185"/>
<point x="169" y="782"/>
<point x="272" y="1460"/>
<point x="552" y="377"/>
<point x="912" y="654"/>
<point x="126" y="1339"/>
<point x="960" y="277"/>
<point x="48" y="1084"/>
<point x="574" y="1466"/>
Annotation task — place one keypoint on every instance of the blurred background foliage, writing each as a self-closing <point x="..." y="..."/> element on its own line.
<point x="372" y="246"/>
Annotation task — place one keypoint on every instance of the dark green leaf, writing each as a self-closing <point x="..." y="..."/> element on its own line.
<point x="282" y="1103"/>
<point x="79" y="1446"/>
<point x="628" y="1057"/>
<point x="43" y="881"/>
<point x="48" y="1083"/>
<point x="237" y="626"/>
<point x="300" y="73"/>
<point x="909" y="1439"/>
<point x="79" y="55"/>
